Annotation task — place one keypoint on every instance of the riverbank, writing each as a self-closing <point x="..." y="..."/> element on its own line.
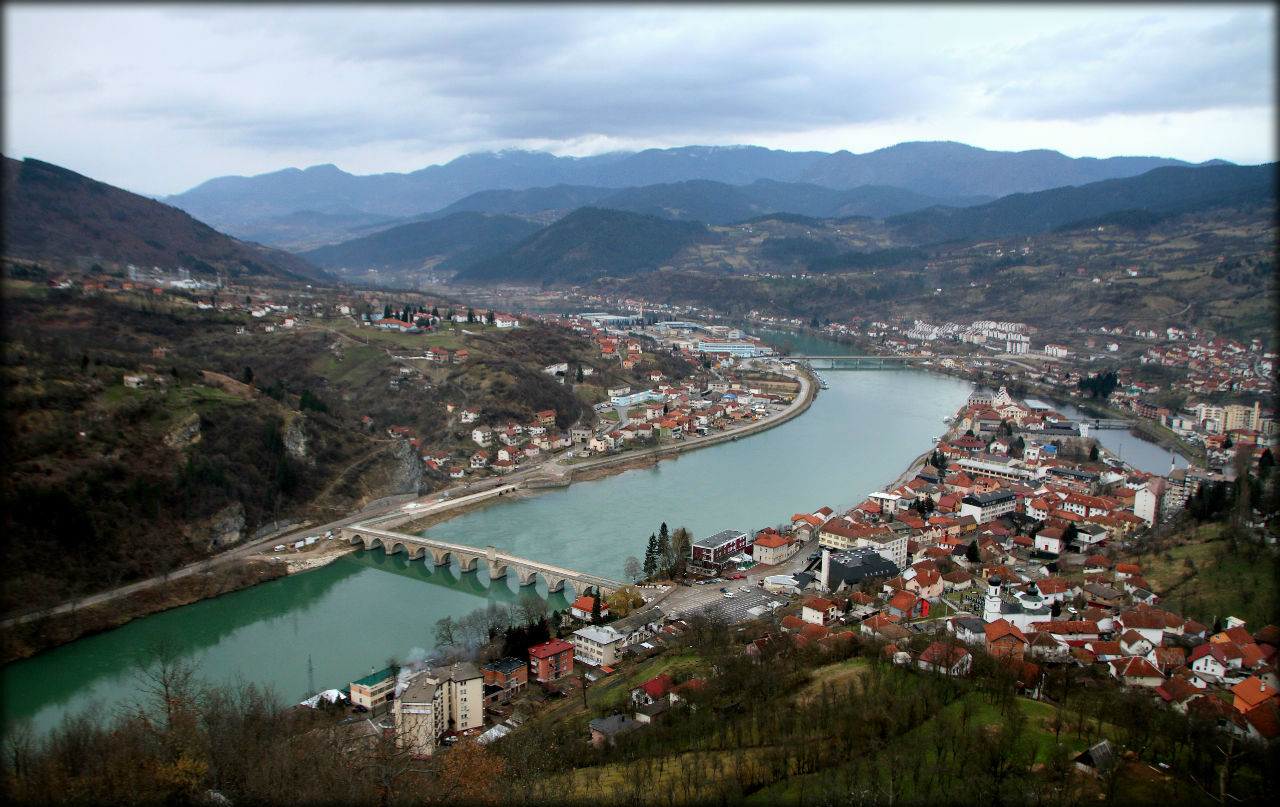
<point x="611" y="465"/>
<point x="27" y="636"/>
<point x="48" y="631"/>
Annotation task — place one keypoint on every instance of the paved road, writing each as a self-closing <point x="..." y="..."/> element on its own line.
<point x="440" y="500"/>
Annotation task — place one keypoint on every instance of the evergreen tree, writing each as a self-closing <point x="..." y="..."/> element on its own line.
<point x="579" y="375"/>
<point x="665" y="559"/>
<point x="1093" y="453"/>
<point x="471" y="316"/>
<point x="386" y="311"/>
<point x="435" y="311"/>
<point x="971" y="553"/>
<point x="595" y="608"/>
<point x="682" y="547"/>
<point x="490" y="318"/>
<point x="651" y="556"/>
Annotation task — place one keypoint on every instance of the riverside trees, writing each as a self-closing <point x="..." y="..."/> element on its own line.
<point x="667" y="552"/>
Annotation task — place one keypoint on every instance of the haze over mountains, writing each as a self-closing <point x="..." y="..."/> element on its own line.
<point x="567" y="233"/>
<point x="623" y="234"/>
<point x="327" y="203"/>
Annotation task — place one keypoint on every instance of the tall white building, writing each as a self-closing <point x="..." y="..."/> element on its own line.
<point x="1146" y="504"/>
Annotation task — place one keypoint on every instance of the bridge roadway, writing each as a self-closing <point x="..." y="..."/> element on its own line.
<point x="856" y="362"/>
<point x="1106" y="423"/>
<point x="468" y="557"/>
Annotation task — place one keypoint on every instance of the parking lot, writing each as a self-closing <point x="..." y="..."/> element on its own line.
<point x="709" y="601"/>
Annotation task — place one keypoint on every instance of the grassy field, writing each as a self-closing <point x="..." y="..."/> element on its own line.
<point x="449" y="339"/>
<point x="360" y="365"/>
<point x="801" y="789"/>
<point x="1204" y="579"/>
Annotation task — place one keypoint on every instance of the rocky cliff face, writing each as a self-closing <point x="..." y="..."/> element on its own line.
<point x="224" y="529"/>
<point x="408" y="476"/>
<point x="295" y="439"/>
<point x="186" y="433"/>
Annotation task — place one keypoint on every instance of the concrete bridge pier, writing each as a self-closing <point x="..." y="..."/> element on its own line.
<point x="497" y="569"/>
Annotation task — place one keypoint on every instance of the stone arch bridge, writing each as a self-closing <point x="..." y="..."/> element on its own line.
<point x="469" y="558"/>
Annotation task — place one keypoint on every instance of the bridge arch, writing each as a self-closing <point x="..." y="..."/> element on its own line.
<point x="498" y="562"/>
<point x="528" y="577"/>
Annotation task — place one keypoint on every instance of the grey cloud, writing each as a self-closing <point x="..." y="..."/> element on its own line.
<point x="1088" y="73"/>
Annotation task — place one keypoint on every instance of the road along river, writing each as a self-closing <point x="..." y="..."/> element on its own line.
<point x="326" y="627"/>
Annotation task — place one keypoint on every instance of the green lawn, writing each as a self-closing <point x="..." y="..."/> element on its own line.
<point x="449" y="339"/>
<point x="360" y="365"/>
<point x="1221" y="583"/>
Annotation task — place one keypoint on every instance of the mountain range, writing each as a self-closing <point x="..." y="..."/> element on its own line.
<point x="576" y="233"/>
<point x="1024" y="213"/>
<point x="566" y="250"/>
<point x="250" y="206"/>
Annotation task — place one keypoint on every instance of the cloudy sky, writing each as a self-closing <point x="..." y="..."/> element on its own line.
<point x="159" y="98"/>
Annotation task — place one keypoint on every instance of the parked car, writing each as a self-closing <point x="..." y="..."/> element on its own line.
<point x="724" y="591"/>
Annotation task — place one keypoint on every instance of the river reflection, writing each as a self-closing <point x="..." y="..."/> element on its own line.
<point x="320" y="629"/>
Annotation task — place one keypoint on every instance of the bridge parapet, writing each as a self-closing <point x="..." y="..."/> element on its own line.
<point x="469" y="557"/>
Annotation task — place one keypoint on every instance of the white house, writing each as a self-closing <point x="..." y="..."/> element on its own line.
<point x="597" y="644"/>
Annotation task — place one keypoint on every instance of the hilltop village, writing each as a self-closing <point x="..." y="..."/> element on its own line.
<point x="1006" y="543"/>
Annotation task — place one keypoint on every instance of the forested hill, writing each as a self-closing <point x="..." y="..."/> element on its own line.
<point x="1020" y="213"/>
<point x="588" y="244"/>
<point x="463" y="237"/>
<point x="51" y="213"/>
